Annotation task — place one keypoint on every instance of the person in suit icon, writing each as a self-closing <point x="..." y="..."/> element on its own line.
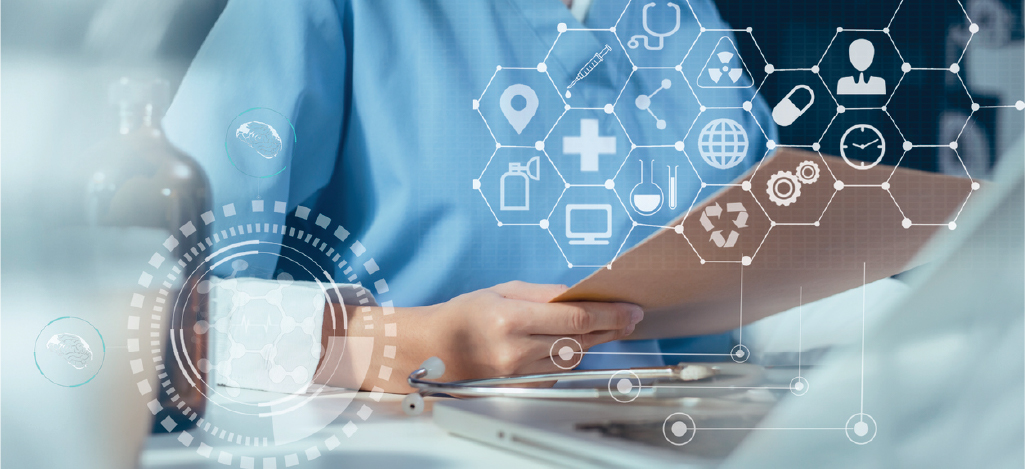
<point x="861" y="53"/>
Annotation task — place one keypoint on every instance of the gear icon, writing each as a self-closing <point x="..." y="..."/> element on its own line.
<point x="808" y="172"/>
<point x="784" y="188"/>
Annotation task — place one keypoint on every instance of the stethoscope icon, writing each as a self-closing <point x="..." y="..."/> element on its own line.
<point x="633" y="43"/>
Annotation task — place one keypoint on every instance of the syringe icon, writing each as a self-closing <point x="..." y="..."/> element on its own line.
<point x="586" y="69"/>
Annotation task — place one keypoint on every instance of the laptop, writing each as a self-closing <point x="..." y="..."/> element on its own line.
<point x="938" y="381"/>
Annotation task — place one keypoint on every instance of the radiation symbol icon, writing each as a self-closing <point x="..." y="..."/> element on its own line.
<point x="715" y="211"/>
<point x="724" y="68"/>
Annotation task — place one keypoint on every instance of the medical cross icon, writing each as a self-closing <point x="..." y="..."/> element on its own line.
<point x="589" y="145"/>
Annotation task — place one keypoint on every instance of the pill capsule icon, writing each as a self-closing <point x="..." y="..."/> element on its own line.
<point x="786" y="112"/>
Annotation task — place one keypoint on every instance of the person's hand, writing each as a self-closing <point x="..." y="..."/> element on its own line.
<point x="509" y="329"/>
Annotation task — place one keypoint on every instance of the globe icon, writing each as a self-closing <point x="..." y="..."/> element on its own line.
<point x="723" y="143"/>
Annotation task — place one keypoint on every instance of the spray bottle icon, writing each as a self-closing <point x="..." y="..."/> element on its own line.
<point x="518" y="176"/>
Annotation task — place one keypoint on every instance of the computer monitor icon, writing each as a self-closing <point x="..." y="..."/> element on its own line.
<point x="588" y="223"/>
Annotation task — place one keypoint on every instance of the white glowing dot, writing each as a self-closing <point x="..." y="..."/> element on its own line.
<point x="476" y="184"/>
<point x="608" y="109"/>
<point x="952" y="226"/>
<point x="769" y="69"/>
<point x="798" y="386"/>
<point x="610" y="184"/>
<point x="815" y="69"/>
<point x="541" y="67"/>
<point x="678" y="429"/>
<point x="905" y="68"/>
<point x="565" y="352"/>
<point x="815" y="146"/>
<point x="954" y="68"/>
<point x="746" y="105"/>
<point x="561" y="27"/>
<point x="539" y="145"/>
<point x="885" y="186"/>
<point x="906" y="223"/>
<point x="973" y="28"/>
<point x="861" y="428"/>
<point x="746" y="185"/>
<point x="840" y="109"/>
<point x="544" y="224"/>
<point x="678" y="146"/>
<point x="624" y="386"/>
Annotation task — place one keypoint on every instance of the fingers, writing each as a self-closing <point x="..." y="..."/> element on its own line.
<point x="536" y="292"/>
<point x="577" y="318"/>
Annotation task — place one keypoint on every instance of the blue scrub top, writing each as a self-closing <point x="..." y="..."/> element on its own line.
<point x="388" y="144"/>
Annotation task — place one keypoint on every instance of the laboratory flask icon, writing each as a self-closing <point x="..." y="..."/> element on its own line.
<point x="646" y="197"/>
<point x="518" y="118"/>
<point x="514" y="187"/>
<point x="786" y="112"/>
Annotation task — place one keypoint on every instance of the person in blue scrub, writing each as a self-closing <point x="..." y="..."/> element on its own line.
<point x="387" y="144"/>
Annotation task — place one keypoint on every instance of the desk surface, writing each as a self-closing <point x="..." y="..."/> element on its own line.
<point x="389" y="438"/>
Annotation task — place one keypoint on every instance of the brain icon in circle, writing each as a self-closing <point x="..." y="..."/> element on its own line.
<point x="260" y="137"/>
<point x="71" y="348"/>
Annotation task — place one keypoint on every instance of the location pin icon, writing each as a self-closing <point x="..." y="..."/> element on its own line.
<point x="518" y="119"/>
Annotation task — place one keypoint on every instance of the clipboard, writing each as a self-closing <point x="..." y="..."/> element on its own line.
<point x="844" y="229"/>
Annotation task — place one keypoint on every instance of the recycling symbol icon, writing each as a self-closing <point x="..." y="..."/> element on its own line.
<point x="738" y="222"/>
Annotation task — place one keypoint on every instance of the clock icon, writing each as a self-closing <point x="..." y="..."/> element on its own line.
<point x="862" y="146"/>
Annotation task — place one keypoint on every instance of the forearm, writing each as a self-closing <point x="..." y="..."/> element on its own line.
<point x="353" y="355"/>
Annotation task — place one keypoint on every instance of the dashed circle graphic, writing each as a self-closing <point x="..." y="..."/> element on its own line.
<point x="166" y="326"/>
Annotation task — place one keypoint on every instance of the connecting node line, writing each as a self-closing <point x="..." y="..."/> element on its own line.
<point x="740" y="333"/>
<point x="864" y="284"/>
<point x="800" y="328"/>
<point x="655" y="353"/>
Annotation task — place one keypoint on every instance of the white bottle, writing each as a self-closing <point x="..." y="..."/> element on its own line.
<point x="521" y="176"/>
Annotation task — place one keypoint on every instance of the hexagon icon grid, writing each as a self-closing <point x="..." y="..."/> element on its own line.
<point x="842" y="76"/>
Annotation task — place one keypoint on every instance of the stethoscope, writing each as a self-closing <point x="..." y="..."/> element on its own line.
<point x="715" y="378"/>
<point x="633" y="44"/>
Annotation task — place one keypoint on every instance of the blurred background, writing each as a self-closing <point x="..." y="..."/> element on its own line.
<point x="59" y="58"/>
